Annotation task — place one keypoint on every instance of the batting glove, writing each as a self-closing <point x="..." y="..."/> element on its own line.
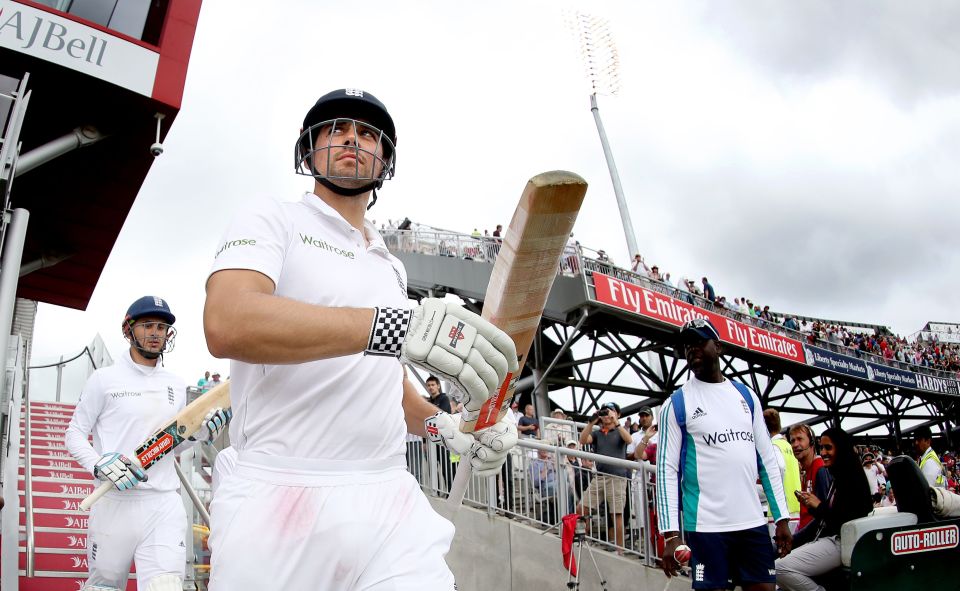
<point x="448" y="340"/>
<point x="486" y="450"/>
<point x="213" y="424"/>
<point x="120" y="470"/>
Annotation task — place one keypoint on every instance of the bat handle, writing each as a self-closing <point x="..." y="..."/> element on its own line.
<point x="93" y="497"/>
<point x="459" y="486"/>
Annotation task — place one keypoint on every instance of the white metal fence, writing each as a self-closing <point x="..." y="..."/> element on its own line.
<point x="540" y="483"/>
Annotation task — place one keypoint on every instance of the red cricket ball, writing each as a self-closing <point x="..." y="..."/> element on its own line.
<point x="682" y="554"/>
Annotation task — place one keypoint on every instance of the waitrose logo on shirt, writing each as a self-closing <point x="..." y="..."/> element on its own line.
<point x="236" y="243"/>
<point x="318" y="243"/>
<point x="728" y="436"/>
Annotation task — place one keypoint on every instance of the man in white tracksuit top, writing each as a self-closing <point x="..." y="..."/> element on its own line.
<point x="312" y="308"/>
<point x="121" y="405"/>
<point x="715" y="461"/>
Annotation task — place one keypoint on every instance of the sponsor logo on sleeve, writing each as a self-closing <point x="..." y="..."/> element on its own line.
<point x="403" y="286"/>
<point x="234" y="244"/>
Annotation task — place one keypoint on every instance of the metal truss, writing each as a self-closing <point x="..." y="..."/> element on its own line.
<point x="595" y="363"/>
<point x="594" y="356"/>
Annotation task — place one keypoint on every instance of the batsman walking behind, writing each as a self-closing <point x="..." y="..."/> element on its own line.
<point x="143" y="520"/>
<point x="312" y="309"/>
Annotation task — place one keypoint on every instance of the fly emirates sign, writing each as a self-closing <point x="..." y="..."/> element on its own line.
<point x="664" y="308"/>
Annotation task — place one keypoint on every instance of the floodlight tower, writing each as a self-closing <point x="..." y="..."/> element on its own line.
<point x="601" y="65"/>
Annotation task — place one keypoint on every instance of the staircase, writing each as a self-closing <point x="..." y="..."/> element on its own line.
<point x="57" y="484"/>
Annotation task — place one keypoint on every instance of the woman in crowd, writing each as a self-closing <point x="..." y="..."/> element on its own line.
<point x="817" y="546"/>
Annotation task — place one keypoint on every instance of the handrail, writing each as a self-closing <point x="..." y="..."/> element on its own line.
<point x="522" y="497"/>
<point x="485" y="248"/>
<point x="586" y="455"/>
<point x="65" y="361"/>
<point x="28" y="483"/>
<point x="204" y="514"/>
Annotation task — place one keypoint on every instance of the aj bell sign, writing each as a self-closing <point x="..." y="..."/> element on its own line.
<point x="67" y="43"/>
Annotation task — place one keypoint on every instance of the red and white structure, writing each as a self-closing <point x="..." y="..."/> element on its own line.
<point x="87" y="90"/>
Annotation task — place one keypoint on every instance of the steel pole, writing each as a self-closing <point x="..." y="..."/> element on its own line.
<point x="10" y="276"/>
<point x="615" y="177"/>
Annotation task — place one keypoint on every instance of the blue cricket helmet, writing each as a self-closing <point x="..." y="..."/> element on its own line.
<point x="150" y="306"/>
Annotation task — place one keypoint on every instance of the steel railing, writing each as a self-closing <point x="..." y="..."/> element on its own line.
<point x="576" y="261"/>
<point x="540" y="483"/>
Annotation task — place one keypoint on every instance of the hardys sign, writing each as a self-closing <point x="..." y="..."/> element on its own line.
<point x="664" y="308"/>
<point x="939" y="385"/>
<point x="65" y="42"/>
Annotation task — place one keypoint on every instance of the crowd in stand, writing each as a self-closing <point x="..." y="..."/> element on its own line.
<point x="884" y="348"/>
<point x="888" y="348"/>
<point x="930" y="354"/>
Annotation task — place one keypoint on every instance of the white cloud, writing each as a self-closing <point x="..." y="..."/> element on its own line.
<point x="774" y="153"/>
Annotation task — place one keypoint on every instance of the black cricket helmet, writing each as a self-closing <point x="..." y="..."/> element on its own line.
<point x="354" y="113"/>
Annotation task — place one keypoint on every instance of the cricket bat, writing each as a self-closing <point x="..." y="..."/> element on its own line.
<point x="174" y="432"/>
<point x="520" y="283"/>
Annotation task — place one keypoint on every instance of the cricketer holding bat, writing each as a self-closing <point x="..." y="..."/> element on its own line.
<point x="312" y="308"/>
<point x="143" y="520"/>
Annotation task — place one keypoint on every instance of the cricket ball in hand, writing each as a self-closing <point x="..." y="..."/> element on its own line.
<point x="682" y="554"/>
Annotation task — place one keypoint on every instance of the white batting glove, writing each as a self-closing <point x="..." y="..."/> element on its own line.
<point x="213" y="425"/>
<point x="486" y="450"/>
<point x="450" y="341"/>
<point x="120" y="470"/>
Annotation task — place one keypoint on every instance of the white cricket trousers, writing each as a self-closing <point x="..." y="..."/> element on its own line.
<point x="145" y="526"/>
<point x="327" y="525"/>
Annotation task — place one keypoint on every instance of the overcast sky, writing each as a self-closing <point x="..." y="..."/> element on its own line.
<point x="803" y="154"/>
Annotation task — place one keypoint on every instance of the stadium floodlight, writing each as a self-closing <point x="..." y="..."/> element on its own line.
<point x="601" y="65"/>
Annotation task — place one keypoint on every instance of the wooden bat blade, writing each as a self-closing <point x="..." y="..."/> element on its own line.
<point x="520" y="284"/>
<point x="525" y="269"/>
<point x="170" y="435"/>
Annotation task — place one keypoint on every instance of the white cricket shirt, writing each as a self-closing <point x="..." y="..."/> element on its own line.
<point x="727" y="451"/>
<point x="345" y="408"/>
<point x="122" y="405"/>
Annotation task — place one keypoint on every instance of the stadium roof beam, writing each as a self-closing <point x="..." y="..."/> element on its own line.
<point x="617" y="352"/>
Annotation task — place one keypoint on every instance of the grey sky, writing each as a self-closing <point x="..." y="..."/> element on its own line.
<point x="801" y="154"/>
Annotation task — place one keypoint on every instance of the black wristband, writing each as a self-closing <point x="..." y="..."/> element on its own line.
<point x="387" y="331"/>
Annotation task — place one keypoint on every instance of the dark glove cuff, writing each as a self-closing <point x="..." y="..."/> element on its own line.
<point x="387" y="331"/>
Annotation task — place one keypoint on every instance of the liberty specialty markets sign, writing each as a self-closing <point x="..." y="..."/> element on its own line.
<point x="67" y="43"/>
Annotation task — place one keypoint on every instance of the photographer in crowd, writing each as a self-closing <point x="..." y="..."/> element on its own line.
<point x="609" y="439"/>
